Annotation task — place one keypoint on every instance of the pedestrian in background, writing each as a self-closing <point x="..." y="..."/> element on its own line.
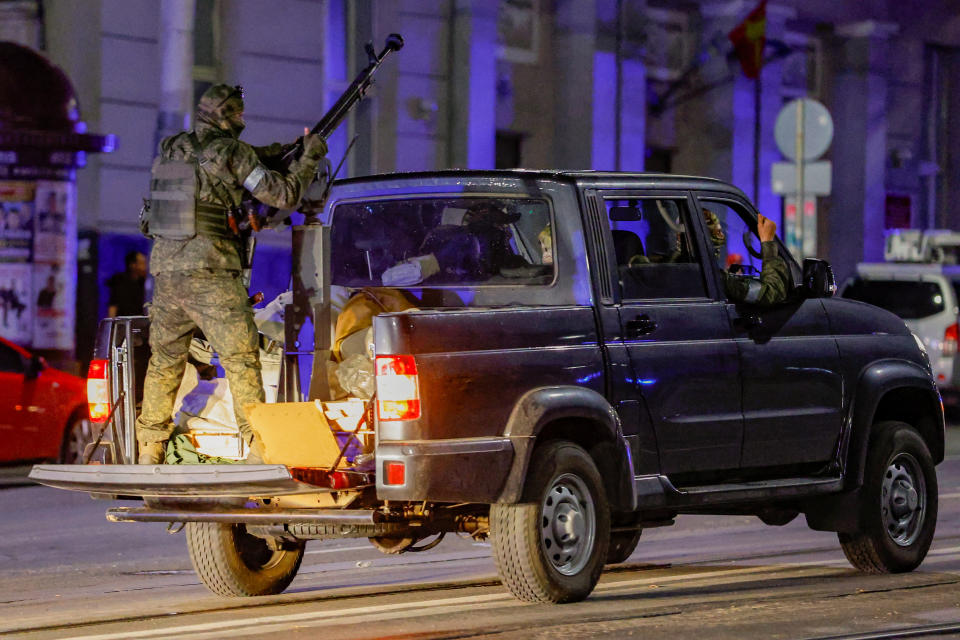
<point x="128" y="287"/>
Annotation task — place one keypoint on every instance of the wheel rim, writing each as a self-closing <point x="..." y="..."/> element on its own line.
<point x="80" y="434"/>
<point x="255" y="553"/>
<point x="568" y="524"/>
<point x="903" y="499"/>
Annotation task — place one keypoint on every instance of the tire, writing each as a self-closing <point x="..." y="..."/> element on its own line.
<point x="552" y="546"/>
<point x="622" y="544"/>
<point x="898" y="506"/>
<point x="231" y="562"/>
<point x="77" y="435"/>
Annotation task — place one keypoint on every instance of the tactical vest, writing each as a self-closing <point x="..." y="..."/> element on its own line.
<point x="175" y="212"/>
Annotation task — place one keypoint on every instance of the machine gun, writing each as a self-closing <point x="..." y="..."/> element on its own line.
<point x="253" y="212"/>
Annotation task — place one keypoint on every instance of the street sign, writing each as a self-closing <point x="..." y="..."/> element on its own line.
<point x="817" y="128"/>
<point x="816" y="178"/>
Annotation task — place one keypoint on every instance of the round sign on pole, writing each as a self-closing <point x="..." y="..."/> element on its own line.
<point x="817" y="129"/>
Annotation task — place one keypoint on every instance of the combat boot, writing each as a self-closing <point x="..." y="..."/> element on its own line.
<point x="151" y="453"/>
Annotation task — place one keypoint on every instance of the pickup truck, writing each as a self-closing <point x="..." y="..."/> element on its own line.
<point x="571" y="372"/>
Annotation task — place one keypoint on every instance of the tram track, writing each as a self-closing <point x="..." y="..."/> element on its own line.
<point x="707" y="591"/>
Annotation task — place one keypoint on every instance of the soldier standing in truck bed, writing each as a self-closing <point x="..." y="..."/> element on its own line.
<point x="197" y="179"/>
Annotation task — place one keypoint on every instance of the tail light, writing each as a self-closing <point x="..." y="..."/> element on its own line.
<point x="98" y="397"/>
<point x="398" y="393"/>
<point x="394" y="472"/>
<point x="950" y="340"/>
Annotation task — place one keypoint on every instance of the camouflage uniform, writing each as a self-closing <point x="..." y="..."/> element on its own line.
<point x="774" y="282"/>
<point x="772" y="287"/>
<point x="198" y="280"/>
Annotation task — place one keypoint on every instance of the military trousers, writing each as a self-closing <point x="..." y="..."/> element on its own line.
<point x="216" y="302"/>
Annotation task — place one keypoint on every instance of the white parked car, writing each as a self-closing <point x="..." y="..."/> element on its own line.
<point x="927" y="297"/>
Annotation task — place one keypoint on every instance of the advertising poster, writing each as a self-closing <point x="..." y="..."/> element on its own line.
<point x="16" y="308"/>
<point x="53" y="321"/>
<point x="53" y="201"/>
<point x="16" y="221"/>
<point x="54" y="265"/>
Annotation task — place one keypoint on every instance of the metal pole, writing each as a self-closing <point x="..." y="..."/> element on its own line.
<point x="801" y="195"/>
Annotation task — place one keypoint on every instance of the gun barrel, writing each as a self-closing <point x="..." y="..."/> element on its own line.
<point x="354" y="93"/>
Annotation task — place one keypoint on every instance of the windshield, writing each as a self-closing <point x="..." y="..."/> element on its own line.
<point x="445" y="241"/>
<point x="910" y="300"/>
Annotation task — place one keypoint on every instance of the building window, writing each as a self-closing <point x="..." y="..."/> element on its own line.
<point x="658" y="160"/>
<point x="206" y="41"/>
<point x="670" y="43"/>
<point x="508" y="150"/>
<point x="518" y="30"/>
<point x="801" y="66"/>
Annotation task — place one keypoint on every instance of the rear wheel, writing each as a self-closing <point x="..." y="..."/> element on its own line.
<point x="232" y="562"/>
<point x="898" y="510"/>
<point x="552" y="547"/>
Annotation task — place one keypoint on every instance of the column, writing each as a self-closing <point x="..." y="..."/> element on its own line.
<point x="473" y="84"/>
<point x="625" y="118"/>
<point x="176" y="67"/>
<point x="574" y="46"/>
<point x="859" y="150"/>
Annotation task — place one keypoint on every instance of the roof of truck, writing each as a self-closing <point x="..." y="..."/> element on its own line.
<point x="601" y="179"/>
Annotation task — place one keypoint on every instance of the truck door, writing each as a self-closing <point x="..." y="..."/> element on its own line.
<point x="677" y="336"/>
<point x="792" y="387"/>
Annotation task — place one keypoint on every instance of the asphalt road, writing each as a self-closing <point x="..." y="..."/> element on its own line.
<point x="67" y="573"/>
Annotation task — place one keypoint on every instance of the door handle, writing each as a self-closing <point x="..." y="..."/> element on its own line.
<point x="641" y="326"/>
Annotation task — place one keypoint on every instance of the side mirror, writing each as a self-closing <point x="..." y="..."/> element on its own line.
<point x="35" y="365"/>
<point x="818" y="280"/>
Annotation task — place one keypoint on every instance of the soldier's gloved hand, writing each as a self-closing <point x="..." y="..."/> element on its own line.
<point x="314" y="146"/>
<point x="766" y="228"/>
<point x="290" y="146"/>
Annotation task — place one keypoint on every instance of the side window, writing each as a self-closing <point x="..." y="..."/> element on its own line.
<point x="10" y="360"/>
<point x="735" y="245"/>
<point x="656" y="257"/>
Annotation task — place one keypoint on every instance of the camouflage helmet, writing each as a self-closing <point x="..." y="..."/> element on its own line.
<point x="218" y="103"/>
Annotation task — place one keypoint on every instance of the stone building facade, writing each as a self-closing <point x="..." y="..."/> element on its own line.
<point x="601" y="84"/>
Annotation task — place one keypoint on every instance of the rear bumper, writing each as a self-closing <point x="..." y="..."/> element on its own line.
<point x="455" y="470"/>
<point x="218" y="481"/>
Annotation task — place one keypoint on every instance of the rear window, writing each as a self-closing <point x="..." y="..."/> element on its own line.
<point x="908" y="299"/>
<point x="442" y="241"/>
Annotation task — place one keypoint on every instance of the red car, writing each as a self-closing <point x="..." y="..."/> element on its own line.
<point x="43" y="411"/>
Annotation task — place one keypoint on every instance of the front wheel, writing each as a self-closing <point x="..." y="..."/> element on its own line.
<point x="232" y="562"/>
<point x="552" y="546"/>
<point x="898" y="510"/>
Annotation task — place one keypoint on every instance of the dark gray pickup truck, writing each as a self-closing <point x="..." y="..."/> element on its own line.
<point x="572" y="373"/>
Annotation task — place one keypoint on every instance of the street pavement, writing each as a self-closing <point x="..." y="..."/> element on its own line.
<point x="65" y="572"/>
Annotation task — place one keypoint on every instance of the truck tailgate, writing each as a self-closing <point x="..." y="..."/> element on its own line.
<point x="173" y="480"/>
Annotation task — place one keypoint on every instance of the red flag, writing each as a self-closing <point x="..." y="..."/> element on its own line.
<point x="749" y="38"/>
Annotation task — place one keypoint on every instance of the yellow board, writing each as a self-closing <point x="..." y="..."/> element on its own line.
<point x="294" y="433"/>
